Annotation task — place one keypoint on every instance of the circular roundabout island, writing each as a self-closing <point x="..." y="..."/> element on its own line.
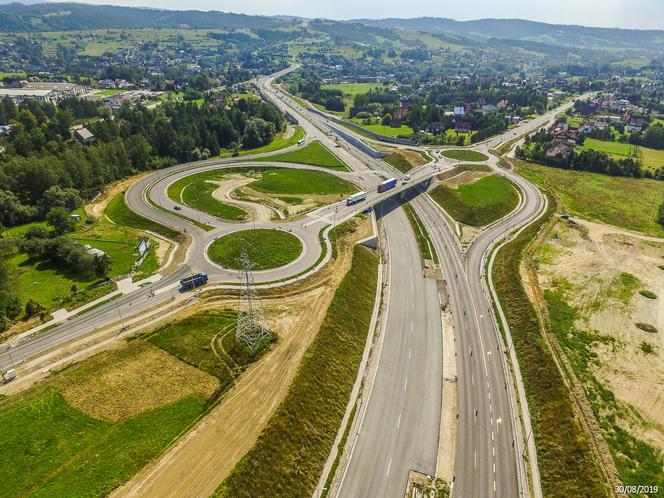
<point x="266" y="248"/>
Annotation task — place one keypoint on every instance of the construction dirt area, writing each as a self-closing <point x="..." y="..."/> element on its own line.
<point x="614" y="281"/>
<point x="205" y="456"/>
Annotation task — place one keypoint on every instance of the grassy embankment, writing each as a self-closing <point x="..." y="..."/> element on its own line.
<point x="291" y="451"/>
<point x="118" y="212"/>
<point x="427" y="250"/>
<point x="198" y="194"/>
<point x="119" y="419"/>
<point x="478" y="203"/>
<point x="266" y="248"/>
<point x="314" y="154"/>
<point x="566" y="462"/>
<point x="465" y="155"/>
<point x="623" y="202"/>
<point x="405" y="159"/>
<point x="277" y="143"/>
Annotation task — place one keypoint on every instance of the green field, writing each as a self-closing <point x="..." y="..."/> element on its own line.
<point x="56" y="450"/>
<point x="388" y="131"/>
<point x="289" y="455"/>
<point x="51" y="284"/>
<point x="266" y="248"/>
<point x="118" y="212"/>
<point x="299" y="181"/>
<point x="190" y="340"/>
<point x="314" y="154"/>
<point x="652" y="158"/>
<point x="110" y="92"/>
<point x="465" y="155"/>
<point x="478" y="203"/>
<point x="624" y="202"/>
<point x="352" y="88"/>
<point x="198" y="195"/>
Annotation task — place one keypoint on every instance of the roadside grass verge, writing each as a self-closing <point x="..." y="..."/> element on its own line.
<point x="118" y="212"/>
<point x="277" y="143"/>
<point x="314" y="154"/>
<point x="478" y="203"/>
<point x="566" y="462"/>
<point x="628" y="203"/>
<point x="427" y="250"/>
<point x="465" y="155"/>
<point x="267" y="248"/>
<point x="57" y="450"/>
<point x="290" y="452"/>
<point x="198" y="195"/>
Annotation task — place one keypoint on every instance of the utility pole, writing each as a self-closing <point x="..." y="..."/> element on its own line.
<point x="251" y="327"/>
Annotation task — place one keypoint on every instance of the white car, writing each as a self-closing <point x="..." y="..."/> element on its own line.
<point x="406" y="179"/>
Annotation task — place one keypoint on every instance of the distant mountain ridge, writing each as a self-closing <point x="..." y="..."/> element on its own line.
<point x="36" y="17"/>
<point x="520" y="29"/>
<point x="76" y="16"/>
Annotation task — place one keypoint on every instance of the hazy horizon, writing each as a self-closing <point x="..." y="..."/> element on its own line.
<point x="632" y="14"/>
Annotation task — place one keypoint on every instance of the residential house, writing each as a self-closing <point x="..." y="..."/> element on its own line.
<point x="399" y="116"/>
<point x="559" y="151"/>
<point x="83" y="135"/>
<point x="585" y="128"/>
<point x="503" y="104"/>
<point x="462" y="126"/>
<point x="459" y="111"/>
<point x="436" y="127"/>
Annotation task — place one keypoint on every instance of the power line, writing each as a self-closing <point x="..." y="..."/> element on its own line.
<point x="251" y="327"/>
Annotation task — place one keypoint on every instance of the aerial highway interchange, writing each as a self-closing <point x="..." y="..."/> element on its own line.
<point x="399" y="425"/>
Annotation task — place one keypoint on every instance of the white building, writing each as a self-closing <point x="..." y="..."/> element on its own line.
<point x="18" y="95"/>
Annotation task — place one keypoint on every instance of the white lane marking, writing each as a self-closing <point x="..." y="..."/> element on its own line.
<point x="492" y="436"/>
<point x="388" y="468"/>
<point x="494" y="467"/>
<point x="412" y="287"/>
<point x="472" y="378"/>
<point x="475" y="457"/>
<point x="405" y="384"/>
<point x="399" y="421"/>
<point x="410" y="350"/>
<point x="494" y="486"/>
<point x="493" y="450"/>
<point x="412" y="325"/>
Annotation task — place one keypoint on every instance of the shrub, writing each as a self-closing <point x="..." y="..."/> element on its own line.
<point x="647" y="348"/>
<point x="647" y="293"/>
<point x="646" y="327"/>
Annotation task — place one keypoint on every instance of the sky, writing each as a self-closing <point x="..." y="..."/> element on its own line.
<point x="645" y="14"/>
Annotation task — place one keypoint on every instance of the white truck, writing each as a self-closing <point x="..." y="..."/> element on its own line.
<point x="8" y="376"/>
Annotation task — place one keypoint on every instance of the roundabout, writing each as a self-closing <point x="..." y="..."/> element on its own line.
<point x="266" y="249"/>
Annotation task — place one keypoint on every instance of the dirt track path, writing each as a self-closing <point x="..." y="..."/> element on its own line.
<point x="205" y="456"/>
<point x="260" y="213"/>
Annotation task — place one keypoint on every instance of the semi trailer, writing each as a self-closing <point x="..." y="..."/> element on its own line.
<point x="355" y="198"/>
<point x="387" y="185"/>
<point x="196" y="280"/>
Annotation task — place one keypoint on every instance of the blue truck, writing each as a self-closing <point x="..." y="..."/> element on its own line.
<point x="387" y="185"/>
<point x="196" y="280"/>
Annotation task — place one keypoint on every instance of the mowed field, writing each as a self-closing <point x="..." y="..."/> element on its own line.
<point x="623" y="202"/>
<point x="266" y="248"/>
<point x="92" y="426"/>
<point x="479" y="202"/>
<point x="352" y="88"/>
<point x="652" y="159"/>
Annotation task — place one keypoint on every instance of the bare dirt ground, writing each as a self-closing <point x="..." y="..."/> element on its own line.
<point x="464" y="177"/>
<point x="290" y="130"/>
<point x="593" y="262"/>
<point x="259" y="212"/>
<point x="97" y="207"/>
<point x="127" y="381"/>
<point x="205" y="456"/>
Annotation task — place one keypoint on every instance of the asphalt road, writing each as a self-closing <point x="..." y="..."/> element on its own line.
<point x="400" y="428"/>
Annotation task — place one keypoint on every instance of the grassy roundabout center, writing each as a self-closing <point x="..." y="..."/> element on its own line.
<point x="267" y="248"/>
